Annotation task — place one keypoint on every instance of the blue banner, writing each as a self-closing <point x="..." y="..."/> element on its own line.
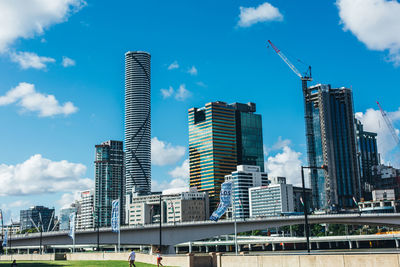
<point x="72" y="225"/>
<point x="225" y="202"/>
<point x="115" y="216"/>
<point x="5" y="239"/>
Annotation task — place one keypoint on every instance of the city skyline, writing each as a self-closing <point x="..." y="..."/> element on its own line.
<point x="42" y="136"/>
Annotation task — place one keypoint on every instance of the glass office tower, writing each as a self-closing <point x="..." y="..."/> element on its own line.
<point x="222" y="136"/>
<point x="368" y="157"/>
<point x="212" y="147"/>
<point x="109" y="180"/>
<point x="331" y="141"/>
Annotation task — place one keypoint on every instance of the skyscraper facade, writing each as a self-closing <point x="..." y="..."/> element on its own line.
<point x="331" y="141"/>
<point x="137" y="123"/>
<point x="222" y="136"/>
<point x="109" y="180"/>
<point x="249" y="139"/>
<point x="368" y="157"/>
<point x="212" y="147"/>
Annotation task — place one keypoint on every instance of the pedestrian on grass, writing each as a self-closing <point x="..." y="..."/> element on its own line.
<point x="14" y="263"/>
<point x="159" y="258"/>
<point x="131" y="259"/>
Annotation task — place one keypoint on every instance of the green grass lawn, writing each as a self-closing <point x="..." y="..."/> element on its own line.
<point x="74" y="264"/>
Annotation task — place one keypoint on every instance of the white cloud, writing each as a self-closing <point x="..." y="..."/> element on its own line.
<point x="163" y="153"/>
<point x="263" y="13"/>
<point x="192" y="70"/>
<point x="201" y="84"/>
<point x="28" y="60"/>
<point x="374" y="122"/>
<point x="39" y="175"/>
<point x="182" y="93"/>
<point x="67" y="199"/>
<point x="166" y="93"/>
<point x="25" y="96"/>
<point x="281" y="143"/>
<point x="68" y="62"/>
<point x="173" y="65"/>
<point x="376" y="23"/>
<point x="287" y="163"/>
<point x="181" y="172"/>
<point x="26" y="19"/>
<point x="179" y="183"/>
<point x="19" y="203"/>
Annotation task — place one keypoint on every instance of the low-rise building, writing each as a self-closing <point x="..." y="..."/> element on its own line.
<point x="13" y="228"/>
<point x="179" y="207"/>
<point x="383" y="201"/>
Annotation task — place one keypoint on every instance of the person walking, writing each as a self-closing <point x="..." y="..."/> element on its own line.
<point x="14" y="263"/>
<point x="131" y="258"/>
<point x="159" y="258"/>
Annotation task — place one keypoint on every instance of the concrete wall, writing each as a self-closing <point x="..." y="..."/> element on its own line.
<point x="27" y="257"/>
<point x="361" y="260"/>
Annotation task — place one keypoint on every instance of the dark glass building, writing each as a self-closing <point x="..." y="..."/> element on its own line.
<point x="249" y="139"/>
<point x="42" y="217"/>
<point x="221" y="136"/>
<point x="109" y="180"/>
<point x="331" y="141"/>
<point x="368" y="157"/>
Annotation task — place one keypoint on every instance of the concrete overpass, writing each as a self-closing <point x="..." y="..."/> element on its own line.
<point x="173" y="234"/>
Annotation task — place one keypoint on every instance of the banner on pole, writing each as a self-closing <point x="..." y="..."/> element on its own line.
<point x="72" y="225"/>
<point x="115" y="216"/>
<point x="225" y="201"/>
<point x="5" y="239"/>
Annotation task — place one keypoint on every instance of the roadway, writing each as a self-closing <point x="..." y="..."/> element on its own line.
<point x="173" y="234"/>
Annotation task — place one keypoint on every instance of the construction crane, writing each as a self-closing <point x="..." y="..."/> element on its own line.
<point x="389" y="125"/>
<point x="304" y="78"/>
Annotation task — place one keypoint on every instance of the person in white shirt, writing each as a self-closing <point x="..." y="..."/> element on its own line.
<point x="131" y="259"/>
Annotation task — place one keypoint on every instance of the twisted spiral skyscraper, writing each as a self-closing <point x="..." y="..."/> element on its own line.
<point x="137" y="123"/>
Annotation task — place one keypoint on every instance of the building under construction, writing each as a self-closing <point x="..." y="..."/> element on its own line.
<point x="331" y="141"/>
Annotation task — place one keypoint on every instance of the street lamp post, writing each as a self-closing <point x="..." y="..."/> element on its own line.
<point x="306" y="226"/>
<point x="160" y="223"/>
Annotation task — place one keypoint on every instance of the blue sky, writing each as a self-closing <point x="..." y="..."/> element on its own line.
<point x="223" y="43"/>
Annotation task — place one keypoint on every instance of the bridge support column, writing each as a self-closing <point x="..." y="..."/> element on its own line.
<point x="227" y="249"/>
<point x="190" y="247"/>
<point x="330" y="244"/>
<point x="283" y="246"/>
<point x="350" y="244"/>
<point x="115" y="248"/>
<point x="357" y="244"/>
<point x="273" y="246"/>
<point x="317" y="245"/>
<point x="141" y="248"/>
<point x="239" y="248"/>
<point x="216" y="248"/>
<point x="294" y="245"/>
<point x="176" y="250"/>
<point x="337" y="244"/>
<point x="199" y="248"/>
<point x="249" y="247"/>
<point x="207" y="249"/>
<point x="397" y="243"/>
<point x="27" y="251"/>
<point x="263" y="246"/>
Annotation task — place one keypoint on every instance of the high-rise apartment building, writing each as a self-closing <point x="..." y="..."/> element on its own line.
<point x="109" y="180"/>
<point x="331" y="141"/>
<point x="137" y="123"/>
<point x="245" y="177"/>
<point x="221" y="136"/>
<point x="368" y="157"/>
<point x="85" y="216"/>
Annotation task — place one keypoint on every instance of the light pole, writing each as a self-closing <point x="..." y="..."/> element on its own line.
<point x="306" y="226"/>
<point x="160" y="223"/>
